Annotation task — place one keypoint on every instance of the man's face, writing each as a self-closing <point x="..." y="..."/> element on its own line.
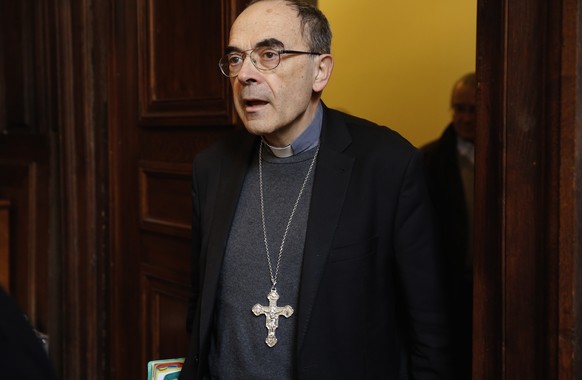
<point x="463" y="104"/>
<point x="278" y="104"/>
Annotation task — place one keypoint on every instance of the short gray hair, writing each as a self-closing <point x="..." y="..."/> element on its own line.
<point x="314" y="24"/>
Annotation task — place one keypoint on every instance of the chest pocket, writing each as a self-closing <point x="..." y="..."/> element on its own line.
<point x="354" y="251"/>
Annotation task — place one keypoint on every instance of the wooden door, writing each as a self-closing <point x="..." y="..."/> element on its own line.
<point x="168" y="100"/>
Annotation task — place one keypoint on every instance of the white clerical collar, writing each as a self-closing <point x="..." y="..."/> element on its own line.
<point x="308" y="139"/>
<point x="284" y="152"/>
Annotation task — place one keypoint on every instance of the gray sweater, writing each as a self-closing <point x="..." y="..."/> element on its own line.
<point x="238" y="348"/>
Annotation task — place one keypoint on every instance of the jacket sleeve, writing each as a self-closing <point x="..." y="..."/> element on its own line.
<point x="189" y="369"/>
<point x="196" y="247"/>
<point x="420" y="267"/>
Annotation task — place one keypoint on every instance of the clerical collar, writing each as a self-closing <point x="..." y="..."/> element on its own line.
<point x="306" y="140"/>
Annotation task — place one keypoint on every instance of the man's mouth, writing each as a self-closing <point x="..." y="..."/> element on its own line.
<point x="254" y="102"/>
<point x="253" y="105"/>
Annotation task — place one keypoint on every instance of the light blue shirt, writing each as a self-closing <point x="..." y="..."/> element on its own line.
<point x="308" y="139"/>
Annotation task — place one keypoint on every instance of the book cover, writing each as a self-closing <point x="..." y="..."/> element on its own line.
<point x="165" y="369"/>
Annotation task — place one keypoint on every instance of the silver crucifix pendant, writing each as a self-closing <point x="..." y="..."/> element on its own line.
<point x="272" y="313"/>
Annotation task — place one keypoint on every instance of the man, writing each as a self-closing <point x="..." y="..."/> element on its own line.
<point x="450" y="176"/>
<point x="313" y="245"/>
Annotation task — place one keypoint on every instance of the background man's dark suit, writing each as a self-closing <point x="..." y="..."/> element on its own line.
<point x="446" y="190"/>
<point x="369" y="228"/>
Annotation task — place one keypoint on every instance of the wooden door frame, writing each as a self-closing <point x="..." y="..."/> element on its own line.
<point x="528" y="198"/>
<point x="80" y="35"/>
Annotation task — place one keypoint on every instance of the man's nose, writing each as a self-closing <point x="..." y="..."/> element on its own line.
<point x="248" y="71"/>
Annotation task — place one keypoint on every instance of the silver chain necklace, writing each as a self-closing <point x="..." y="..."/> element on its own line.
<point x="272" y="311"/>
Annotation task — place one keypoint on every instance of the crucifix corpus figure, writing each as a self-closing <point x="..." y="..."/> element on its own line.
<point x="272" y="313"/>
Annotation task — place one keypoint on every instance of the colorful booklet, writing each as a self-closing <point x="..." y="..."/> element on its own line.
<point x="165" y="369"/>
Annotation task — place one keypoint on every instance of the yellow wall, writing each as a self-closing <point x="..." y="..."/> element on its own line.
<point x="396" y="61"/>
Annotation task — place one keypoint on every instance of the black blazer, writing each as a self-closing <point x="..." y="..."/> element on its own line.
<point x="22" y="355"/>
<point x="369" y="261"/>
<point x="446" y="190"/>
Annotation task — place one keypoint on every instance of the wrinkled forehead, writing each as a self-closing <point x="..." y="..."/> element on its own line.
<point x="267" y="20"/>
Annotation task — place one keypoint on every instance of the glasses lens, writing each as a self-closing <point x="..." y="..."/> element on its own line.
<point x="231" y="63"/>
<point x="265" y="58"/>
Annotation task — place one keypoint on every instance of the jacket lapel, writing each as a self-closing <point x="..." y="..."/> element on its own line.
<point x="232" y="171"/>
<point x="331" y="180"/>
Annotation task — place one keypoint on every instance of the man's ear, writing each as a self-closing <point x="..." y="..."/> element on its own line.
<point x="323" y="73"/>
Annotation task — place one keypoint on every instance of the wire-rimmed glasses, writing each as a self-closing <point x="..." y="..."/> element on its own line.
<point x="263" y="58"/>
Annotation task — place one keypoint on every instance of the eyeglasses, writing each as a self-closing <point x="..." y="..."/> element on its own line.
<point x="263" y="58"/>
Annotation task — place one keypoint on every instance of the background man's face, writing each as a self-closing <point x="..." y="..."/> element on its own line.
<point x="463" y="105"/>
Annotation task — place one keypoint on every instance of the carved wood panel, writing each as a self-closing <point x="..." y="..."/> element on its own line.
<point x="165" y="303"/>
<point x="179" y="43"/>
<point x="165" y="204"/>
<point x="19" y="188"/>
<point x="24" y="184"/>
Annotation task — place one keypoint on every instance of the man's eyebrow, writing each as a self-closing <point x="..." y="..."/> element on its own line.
<point x="268" y="42"/>
<point x="231" y="49"/>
